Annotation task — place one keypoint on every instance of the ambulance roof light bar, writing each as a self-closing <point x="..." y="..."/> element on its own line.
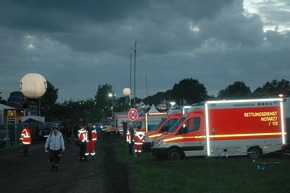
<point x="245" y="100"/>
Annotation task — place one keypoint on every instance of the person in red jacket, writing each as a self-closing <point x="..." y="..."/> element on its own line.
<point x="25" y="138"/>
<point x="83" y="140"/>
<point x="138" y="140"/>
<point x="92" y="138"/>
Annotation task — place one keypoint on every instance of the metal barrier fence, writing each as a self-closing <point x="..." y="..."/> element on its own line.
<point x="10" y="134"/>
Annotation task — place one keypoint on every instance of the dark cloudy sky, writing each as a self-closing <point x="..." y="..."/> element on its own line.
<point x="78" y="45"/>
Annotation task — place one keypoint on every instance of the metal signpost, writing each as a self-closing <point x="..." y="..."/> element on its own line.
<point x="133" y="115"/>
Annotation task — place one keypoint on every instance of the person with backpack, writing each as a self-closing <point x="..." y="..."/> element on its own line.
<point x="55" y="145"/>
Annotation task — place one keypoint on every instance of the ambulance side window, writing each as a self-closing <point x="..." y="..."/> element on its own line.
<point x="169" y="124"/>
<point x="194" y="124"/>
<point x="189" y="126"/>
<point x="165" y="128"/>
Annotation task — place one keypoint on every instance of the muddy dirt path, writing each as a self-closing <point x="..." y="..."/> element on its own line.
<point x="32" y="174"/>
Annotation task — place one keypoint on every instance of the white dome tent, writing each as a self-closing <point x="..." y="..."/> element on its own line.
<point x="153" y="109"/>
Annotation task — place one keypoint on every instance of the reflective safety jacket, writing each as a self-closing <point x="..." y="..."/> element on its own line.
<point x="128" y="135"/>
<point x="92" y="135"/>
<point x="138" y="140"/>
<point x="83" y="135"/>
<point x="25" y="136"/>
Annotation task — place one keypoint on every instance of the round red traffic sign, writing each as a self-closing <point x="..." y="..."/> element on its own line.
<point x="133" y="114"/>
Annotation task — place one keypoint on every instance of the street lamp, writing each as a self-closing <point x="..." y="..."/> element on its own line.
<point x="112" y="96"/>
<point x="172" y="104"/>
<point x="81" y="111"/>
<point x="127" y="93"/>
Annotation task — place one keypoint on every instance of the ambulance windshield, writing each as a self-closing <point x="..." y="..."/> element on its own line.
<point x="175" y="126"/>
<point x="159" y="124"/>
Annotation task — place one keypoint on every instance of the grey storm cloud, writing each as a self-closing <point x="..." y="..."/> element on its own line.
<point x="98" y="25"/>
<point x="78" y="45"/>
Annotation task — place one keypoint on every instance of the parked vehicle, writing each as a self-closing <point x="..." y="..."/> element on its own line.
<point x="142" y="125"/>
<point x="108" y="126"/>
<point x="119" y="122"/>
<point x="148" y="121"/>
<point x="226" y="128"/>
<point x="165" y="124"/>
<point x="109" y="129"/>
<point x="145" y="123"/>
<point x="286" y="147"/>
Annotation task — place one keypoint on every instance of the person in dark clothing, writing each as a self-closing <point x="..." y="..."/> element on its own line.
<point x="68" y="134"/>
<point x="75" y="131"/>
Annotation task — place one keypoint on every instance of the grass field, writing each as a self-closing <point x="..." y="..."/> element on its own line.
<point x="270" y="174"/>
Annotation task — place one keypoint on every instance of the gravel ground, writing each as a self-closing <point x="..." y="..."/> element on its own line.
<point x="32" y="174"/>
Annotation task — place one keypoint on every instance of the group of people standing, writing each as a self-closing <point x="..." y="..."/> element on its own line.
<point x="54" y="144"/>
<point x="85" y="137"/>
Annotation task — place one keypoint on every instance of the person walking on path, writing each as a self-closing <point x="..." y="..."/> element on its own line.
<point x="25" y="138"/>
<point x="92" y="138"/>
<point x="55" y="144"/>
<point x="83" y="140"/>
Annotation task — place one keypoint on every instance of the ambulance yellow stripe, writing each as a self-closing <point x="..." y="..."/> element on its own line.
<point x="226" y="136"/>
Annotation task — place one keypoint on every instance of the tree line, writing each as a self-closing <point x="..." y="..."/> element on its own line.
<point x="191" y="91"/>
<point x="186" y="92"/>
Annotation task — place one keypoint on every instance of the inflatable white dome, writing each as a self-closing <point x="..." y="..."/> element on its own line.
<point x="33" y="85"/>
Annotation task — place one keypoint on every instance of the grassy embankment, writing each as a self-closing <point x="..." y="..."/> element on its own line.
<point x="206" y="175"/>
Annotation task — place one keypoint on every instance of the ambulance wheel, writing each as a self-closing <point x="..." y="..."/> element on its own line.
<point x="255" y="152"/>
<point x="175" y="154"/>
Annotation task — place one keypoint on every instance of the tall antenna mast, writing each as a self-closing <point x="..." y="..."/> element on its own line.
<point x="146" y="90"/>
<point x="130" y="76"/>
<point x="135" y="73"/>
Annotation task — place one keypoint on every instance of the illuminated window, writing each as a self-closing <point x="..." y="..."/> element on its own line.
<point x="11" y="113"/>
